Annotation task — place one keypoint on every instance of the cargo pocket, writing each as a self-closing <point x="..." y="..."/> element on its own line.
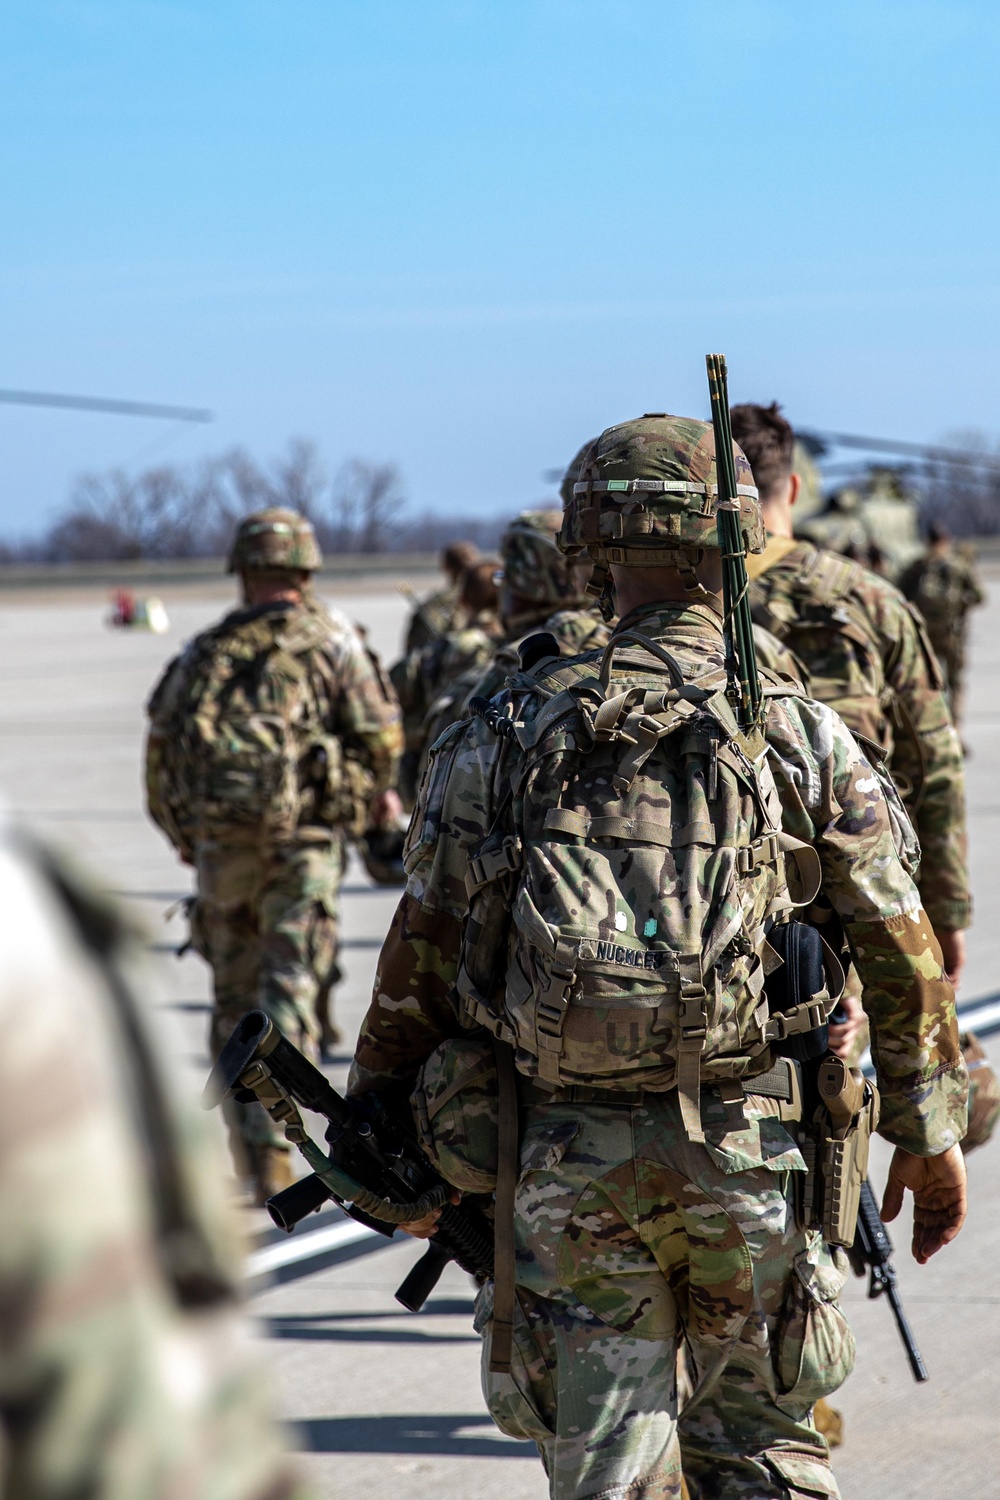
<point x="804" y="1476"/>
<point x="521" y="1402"/>
<point x="814" y="1346"/>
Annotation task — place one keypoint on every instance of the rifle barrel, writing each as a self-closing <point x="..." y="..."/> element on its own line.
<point x="906" y="1333"/>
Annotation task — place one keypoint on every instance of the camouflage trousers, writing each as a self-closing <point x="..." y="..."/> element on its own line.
<point x="640" y="1252"/>
<point x="266" y="920"/>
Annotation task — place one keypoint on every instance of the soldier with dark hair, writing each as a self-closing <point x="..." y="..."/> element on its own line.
<point x="867" y="654"/>
<point x="594" y="868"/>
<point x="273" y="735"/>
<point x="944" y="586"/>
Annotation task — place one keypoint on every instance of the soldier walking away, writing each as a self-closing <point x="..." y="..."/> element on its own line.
<point x="123" y="1354"/>
<point x="596" y="863"/>
<point x="944" y="585"/>
<point x="425" y="673"/>
<point x="436" y="614"/>
<point x="273" y="737"/>
<point x="540" y="591"/>
<point x="866" y="653"/>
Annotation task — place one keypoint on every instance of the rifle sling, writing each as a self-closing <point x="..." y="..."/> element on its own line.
<point x="507" y="1169"/>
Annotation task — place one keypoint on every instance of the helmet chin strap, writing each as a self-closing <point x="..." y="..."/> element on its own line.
<point x="686" y="568"/>
<point x="601" y="588"/>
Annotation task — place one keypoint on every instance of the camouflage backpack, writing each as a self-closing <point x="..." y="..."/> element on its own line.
<point x="817" y="617"/>
<point x="618" y="906"/>
<point x="249" y="752"/>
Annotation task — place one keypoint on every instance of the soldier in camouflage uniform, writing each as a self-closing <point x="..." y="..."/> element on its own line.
<point x="272" y="735"/>
<point x="540" y="591"/>
<point x="654" y="1203"/>
<point x="424" y="674"/>
<point x="944" y="586"/>
<point x="437" y="614"/>
<point x="866" y="654"/>
<point x="124" y="1370"/>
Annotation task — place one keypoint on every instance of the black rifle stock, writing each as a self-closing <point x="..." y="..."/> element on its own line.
<point x="375" y="1169"/>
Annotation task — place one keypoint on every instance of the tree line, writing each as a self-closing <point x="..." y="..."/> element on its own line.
<point x="170" y="511"/>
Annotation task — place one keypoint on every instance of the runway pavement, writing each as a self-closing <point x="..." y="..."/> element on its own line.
<point x="381" y="1401"/>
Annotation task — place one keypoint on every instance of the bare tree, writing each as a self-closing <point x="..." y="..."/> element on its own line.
<point x="300" y="481"/>
<point x="366" y="499"/>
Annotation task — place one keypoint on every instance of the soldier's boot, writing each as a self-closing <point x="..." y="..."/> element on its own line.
<point x="270" y="1171"/>
<point x="829" y="1422"/>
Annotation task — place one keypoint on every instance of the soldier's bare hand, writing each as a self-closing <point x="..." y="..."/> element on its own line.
<point x="953" y="953"/>
<point x="387" y="808"/>
<point x="939" y="1202"/>
<point x="422" y="1229"/>
<point x="845" y="1033"/>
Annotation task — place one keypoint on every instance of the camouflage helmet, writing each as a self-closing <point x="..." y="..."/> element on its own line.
<point x="572" y="473"/>
<point x="647" y="494"/>
<point x="533" y="567"/>
<point x="275" y="538"/>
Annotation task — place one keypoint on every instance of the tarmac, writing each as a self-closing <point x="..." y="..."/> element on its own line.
<point x="385" y="1402"/>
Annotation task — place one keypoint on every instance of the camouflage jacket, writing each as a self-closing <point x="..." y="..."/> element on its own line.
<point x="424" y="676"/>
<point x="867" y="655"/>
<point x="575" y="630"/>
<point x="944" y="587"/>
<point x="830" y="798"/>
<point x="125" y="1366"/>
<point x="358" y="708"/>
<point x="432" y="617"/>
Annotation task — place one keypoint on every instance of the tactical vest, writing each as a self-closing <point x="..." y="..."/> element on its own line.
<point x="251" y="756"/>
<point x="619" y="904"/>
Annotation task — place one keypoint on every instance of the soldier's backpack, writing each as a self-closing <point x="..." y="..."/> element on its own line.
<point x="817" y="615"/>
<point x="247" y="752"/>
<point x="620" y="903"/>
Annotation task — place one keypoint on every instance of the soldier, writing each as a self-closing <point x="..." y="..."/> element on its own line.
<point x="272" y="736"/>
<point x="435" y="615"/>
<point x="123" y="1357"/>
<point x="422" y="675"/>
<point x="944" y="586"/>
<point x="592" y="887"/>
<point x="540" y="590"/>
<point x="867" y="655"/>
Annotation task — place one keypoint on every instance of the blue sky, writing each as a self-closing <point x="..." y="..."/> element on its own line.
<point x="463" y="235"/>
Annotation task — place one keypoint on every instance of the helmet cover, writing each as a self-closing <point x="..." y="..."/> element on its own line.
<point x="647" y="492"/>
<point x="275" y="538"/>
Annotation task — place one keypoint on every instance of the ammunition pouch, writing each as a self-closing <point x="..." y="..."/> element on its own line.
<point x="339" y="789"/>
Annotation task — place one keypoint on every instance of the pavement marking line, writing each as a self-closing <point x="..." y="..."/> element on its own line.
<point x="980" y="1015"/>
<point x="305" y="1246"/>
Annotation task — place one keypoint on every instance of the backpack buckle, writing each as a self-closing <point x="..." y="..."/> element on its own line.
<point x="492" y="861"/>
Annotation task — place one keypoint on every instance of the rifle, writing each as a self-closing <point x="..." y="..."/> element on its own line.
<point x="375" y="1169"/>
<point x="872" y="1251"/>
<point x="737" y="626"/>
